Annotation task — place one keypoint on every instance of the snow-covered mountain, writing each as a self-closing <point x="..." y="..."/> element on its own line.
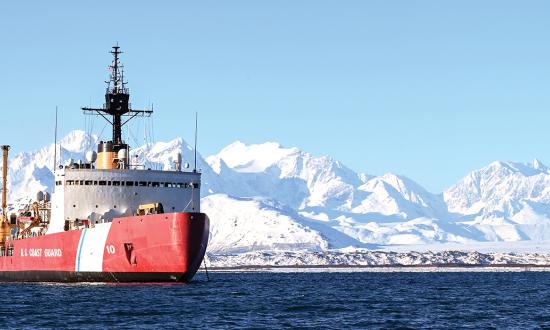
<point x="291" y="176"/>
<point x="252" y="224"/>
<point x="30" y="172"/>
<point x="268" y="197"/>
<point x="506" y="201"/>
<point x="161" y="155"/>
<point x="319" y="185"/>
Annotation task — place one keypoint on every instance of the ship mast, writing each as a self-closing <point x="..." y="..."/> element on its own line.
<point x="117" y="98"/>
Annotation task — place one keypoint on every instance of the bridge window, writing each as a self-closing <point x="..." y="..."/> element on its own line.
<point x="129" y="183"/>
<point x="102" y="183"/>
<point x="88" y="183"/>
<point x="70" y="182"/>
<point x="155" y="184"/>
<point x="142" y="184"/>
<point x="116" y="183"/>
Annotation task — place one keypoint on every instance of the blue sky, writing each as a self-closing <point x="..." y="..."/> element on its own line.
<point x="428" y="89"/>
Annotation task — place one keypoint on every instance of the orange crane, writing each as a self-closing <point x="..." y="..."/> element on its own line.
<point x="5" y="228"/>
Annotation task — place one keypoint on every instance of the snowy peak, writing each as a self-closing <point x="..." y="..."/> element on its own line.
<point x="508" y="168"/>
<point x="289" y="175"/>
<point x="405" y="186"/>
<point x="78" y="141"/>
<point x="318" y="184"/>
<point x="161" y="154"/>
<point x="393" y="194"/>
<point x="500" y="190"/>
<point x="539" y="166"/>
<point x="252" y="158"/>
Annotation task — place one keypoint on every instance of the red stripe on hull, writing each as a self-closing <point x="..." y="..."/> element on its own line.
<point x="158" y="247"/>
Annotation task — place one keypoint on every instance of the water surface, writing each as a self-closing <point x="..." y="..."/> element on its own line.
<point x="291" y="300"/>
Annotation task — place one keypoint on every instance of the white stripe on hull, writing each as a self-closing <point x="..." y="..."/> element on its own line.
<point x="89" y="257"/>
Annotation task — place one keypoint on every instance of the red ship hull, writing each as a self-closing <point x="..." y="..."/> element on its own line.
<point x="166" y="247"/>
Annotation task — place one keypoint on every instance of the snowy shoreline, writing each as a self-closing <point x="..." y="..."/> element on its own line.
<point x="365" y="259"/>
<point x="382" y="269"/>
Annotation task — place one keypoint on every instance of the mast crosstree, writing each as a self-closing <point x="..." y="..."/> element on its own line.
<point x="117" y="100"/>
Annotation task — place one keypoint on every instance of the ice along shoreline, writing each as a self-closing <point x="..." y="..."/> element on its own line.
<point x="365" y="259"/>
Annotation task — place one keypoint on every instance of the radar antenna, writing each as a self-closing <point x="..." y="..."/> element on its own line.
<point x="117" y="98"/>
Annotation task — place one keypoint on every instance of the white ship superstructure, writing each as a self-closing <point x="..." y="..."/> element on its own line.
<point x="99" y="195"/>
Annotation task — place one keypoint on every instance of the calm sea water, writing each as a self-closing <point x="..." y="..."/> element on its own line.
<point x="288" y="300"/>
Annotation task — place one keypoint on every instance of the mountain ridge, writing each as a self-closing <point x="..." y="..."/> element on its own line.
<point x="504" y="201"/>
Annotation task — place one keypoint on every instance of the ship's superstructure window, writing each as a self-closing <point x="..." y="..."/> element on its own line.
<point x="152" y="184"/>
